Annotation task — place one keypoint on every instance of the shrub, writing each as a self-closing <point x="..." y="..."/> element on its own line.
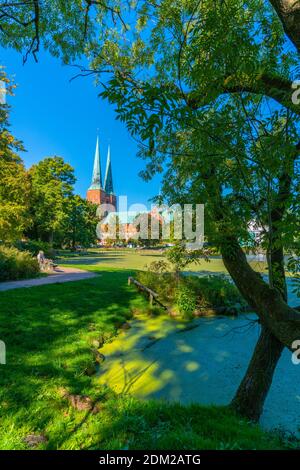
<point x="214" y="290"/>
<point x="185" y="300"/>
<point x="15" y="264"/>
<point x="180" y="257"/>
<point x="191" y="292"/>
<point x="34" y="246"/>
<point x="163" y="284"/>
<point x="158" y="267"/>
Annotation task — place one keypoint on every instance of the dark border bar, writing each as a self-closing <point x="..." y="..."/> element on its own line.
<point x="143" y="459"/>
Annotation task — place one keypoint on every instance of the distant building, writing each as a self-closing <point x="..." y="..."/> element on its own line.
<point x="98" y="193"/>
<point x="127" y="226"/>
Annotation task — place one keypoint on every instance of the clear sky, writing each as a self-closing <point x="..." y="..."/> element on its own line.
<point x="54" y="116"/>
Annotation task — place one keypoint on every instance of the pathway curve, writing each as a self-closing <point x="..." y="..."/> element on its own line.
<point x="61" y="274"/>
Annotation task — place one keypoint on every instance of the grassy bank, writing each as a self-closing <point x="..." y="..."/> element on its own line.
<point x="51" y="335"/>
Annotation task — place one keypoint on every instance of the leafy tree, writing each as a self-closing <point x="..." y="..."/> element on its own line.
<point x="52" y="183"/>
<point x="14" y="185"/>
<point x="208" y="89"/>
<point x="222" y="119"/>
<point x="133" y="34"/>
<point x="58" y="26"/>
<point x="180" y="257"/>
<point x="80" y="224"/>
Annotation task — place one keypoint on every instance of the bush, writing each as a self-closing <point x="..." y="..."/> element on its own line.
<point x="190" y="293"/>
<point x="15" y="264"/>
<point x="164" y="284"/>
<point x="185" y="300"/>
<point x="34" y="246"/>
<point x="214" y="291"/>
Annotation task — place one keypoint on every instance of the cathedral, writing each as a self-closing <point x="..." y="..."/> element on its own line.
<point x="98" y="193"/>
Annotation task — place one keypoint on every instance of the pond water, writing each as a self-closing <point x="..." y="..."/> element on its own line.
<point x="202" y="362"/>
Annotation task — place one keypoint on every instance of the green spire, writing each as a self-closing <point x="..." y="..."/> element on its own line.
<point x="108" y="182"/>
<point x="97" y="179"/>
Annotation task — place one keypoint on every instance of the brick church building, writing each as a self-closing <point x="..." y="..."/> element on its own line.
<point x="99" y="193"/>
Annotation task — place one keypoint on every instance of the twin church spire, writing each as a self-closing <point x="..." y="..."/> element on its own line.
<point x="108" y="181"/>
<point x="97" y="174"/>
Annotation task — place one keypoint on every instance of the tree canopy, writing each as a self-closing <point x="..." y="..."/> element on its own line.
<point x="14" y="184"/>
<point x="208" y="89"/>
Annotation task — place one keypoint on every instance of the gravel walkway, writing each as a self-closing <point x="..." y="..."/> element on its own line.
<point x="61" y="274"/>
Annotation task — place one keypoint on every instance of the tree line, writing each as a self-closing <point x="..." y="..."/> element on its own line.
<point x="39" y="203"/>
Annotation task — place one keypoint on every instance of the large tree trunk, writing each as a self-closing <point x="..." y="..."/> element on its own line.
<point x="50" y="237"/>
<point x="279" y="322"/>
<point x="253" y="390"/>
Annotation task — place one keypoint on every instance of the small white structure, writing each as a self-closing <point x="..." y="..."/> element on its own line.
<point x="2" y="353"/>
<point x="256" y="231"/>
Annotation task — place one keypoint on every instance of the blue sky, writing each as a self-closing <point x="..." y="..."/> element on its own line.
<point x="54" y="116"/>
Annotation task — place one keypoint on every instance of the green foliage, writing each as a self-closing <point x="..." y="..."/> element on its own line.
<point x="34" y="246"/>
<point x="293" y="267"/>
<point x="30" y="26"/>
<point x="163" y="284"/>
<point x="14" y="184"/>
<point x="189" y="293"/>
<point x="186" y="300"/>
<point x="180" y="257"/>
<point x="9" y="145"/>
<point x="158" y="267"/>
<point x="14" y="192"/>
<point x="15" y="264"/>
<point x="214" y="291"/>
<point x="131" y="241"/>
<point x="79" y="227"/>
<point x="52" y="183"/>
<point x="48" y="332"/>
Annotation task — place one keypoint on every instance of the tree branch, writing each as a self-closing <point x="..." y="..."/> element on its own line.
<point x="278" y="88"/>
<point x="289" y="15"/>
<point x="35" y="43"/>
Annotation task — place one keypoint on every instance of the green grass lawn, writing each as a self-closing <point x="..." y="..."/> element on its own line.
<point x="130" y="259"/>
<point x="50" y="333"/>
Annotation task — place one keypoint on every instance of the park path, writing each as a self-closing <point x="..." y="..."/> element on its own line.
<point x="61" y="274"/>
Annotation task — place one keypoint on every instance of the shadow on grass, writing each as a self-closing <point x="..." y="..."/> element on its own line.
<point x="157" y="425"/>
<point x="90" y="261"/>
<point x="48" y="332"/>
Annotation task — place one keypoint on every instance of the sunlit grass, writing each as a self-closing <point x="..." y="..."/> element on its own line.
<point x="95" y="260"/>
<point x="49" y="333"/>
